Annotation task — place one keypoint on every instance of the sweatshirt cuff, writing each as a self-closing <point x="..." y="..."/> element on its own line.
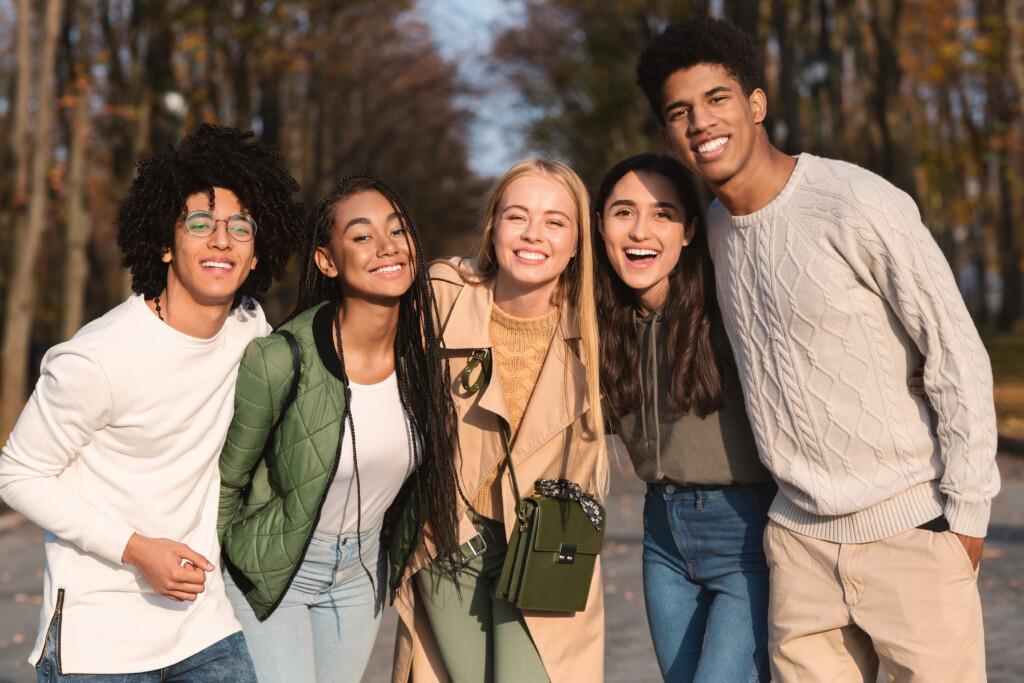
<point x="107" y="538"/>
<point x="966" y="518"/>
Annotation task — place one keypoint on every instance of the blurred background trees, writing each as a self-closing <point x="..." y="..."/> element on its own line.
<point x="926" y="92"/>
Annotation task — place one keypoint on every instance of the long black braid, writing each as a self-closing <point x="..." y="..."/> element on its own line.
<point x="347" y="417"/>
<point x="421" y="368"/>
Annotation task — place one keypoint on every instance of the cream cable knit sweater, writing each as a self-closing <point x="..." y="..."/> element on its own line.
<point x="831" y="295"/>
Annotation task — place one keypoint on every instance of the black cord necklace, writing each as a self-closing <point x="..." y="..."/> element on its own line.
<point x="156" y="300"/>
<point x="347" y="417"/>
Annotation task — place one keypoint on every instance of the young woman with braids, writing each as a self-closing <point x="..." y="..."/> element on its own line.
<point x="672" y="393"/>
<point x="366" y="439"/>
<point x="527" y="299"/>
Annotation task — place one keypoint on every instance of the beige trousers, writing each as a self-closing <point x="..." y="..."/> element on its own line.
<point x="838" y="609"/>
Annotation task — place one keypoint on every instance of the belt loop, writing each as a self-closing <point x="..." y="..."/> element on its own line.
<point x="698" y="500"/>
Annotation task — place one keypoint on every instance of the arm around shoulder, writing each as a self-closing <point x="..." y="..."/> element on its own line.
<point x="264" y="379"/>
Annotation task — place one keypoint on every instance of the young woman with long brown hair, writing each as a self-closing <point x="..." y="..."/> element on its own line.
<point x="526" y="301"/>
<point x="672" y="391"/>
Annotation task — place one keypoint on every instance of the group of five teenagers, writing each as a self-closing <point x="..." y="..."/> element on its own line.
<point x="366" y="440"/>
<point x="115" y="454"/>
<point x="527" y="300"/>
<point x="675" y="400"/>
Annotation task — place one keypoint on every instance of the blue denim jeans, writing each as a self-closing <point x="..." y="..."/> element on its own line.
<point x="706" y="581"/>
<point x="324" y="628"/>
<point x="226" y="661"/>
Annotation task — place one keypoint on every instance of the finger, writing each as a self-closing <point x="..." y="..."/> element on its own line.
<point x="193" y="573"/>
<point x="194" y="557"/>
<point x="187" y="586"/>
<point x="181" y="596"/>
<point x="188" y="575"/>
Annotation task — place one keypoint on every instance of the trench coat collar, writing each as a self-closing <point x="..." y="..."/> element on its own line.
<point x="559" y="397"/>
<point x="469" y="322"/>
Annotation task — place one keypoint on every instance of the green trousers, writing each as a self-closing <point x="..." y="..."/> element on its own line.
<point x="483" y="639"/>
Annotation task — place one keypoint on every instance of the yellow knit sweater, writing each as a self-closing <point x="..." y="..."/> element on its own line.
<point x="519" y="347"/>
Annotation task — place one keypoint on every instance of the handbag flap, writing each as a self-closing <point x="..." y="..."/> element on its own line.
<point x="559" y="522"/>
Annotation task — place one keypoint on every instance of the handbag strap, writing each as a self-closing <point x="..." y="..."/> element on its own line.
<point x="511" y="466"/>
<point x="482" y="358"/>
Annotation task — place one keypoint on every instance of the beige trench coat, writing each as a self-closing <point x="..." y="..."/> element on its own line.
<point x="551" y="443"/>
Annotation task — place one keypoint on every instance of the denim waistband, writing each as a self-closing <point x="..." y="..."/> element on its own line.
<point x="343" y="539"/>
<point x="671" y="489"/>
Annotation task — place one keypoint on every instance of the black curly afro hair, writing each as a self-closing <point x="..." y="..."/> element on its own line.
<point x="212" y="156"/>
<point x="702" y="40"/>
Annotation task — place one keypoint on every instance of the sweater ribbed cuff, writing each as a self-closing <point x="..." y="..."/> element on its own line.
<point x="906" y="510"/>
<point x="107" y="538"/>
<point x="969" y="519"/>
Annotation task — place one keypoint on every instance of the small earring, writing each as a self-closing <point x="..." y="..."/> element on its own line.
<point x="166" y="257"/>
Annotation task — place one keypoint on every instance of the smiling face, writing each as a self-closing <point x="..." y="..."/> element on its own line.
<point x="710" y="124"/>
<point x="367" y="249"/>
<point x="535" y="234"/>
<point x="210" y="269"/>
<point x="643" y="226"/>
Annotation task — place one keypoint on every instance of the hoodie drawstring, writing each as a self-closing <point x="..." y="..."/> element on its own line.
<point x="650" y="323"/>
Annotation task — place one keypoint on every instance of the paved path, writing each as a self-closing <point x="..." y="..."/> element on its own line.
<point x="629" y="657"/>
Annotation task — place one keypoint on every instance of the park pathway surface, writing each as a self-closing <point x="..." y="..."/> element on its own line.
<point x="629" y="657"/>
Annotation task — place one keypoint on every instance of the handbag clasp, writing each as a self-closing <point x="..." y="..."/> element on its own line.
<point x="566" y="553"/>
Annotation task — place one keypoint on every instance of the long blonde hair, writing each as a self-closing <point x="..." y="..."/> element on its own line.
<point x="576" y="285"/>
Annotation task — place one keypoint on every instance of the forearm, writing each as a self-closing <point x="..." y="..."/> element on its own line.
<point x="49" y="503"/>
<point x="919" y="285"/>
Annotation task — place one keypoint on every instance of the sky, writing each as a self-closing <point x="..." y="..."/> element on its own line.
<point x="464" y="31"/>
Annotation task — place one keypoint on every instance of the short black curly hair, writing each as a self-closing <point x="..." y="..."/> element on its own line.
<point x="212" y="156"/>
<point x="702" y="40"/>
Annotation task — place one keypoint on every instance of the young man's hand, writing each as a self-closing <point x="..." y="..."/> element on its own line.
<point x="173" y="569"/>
<point x="973" y="546"/>
<point x="916" y="384"/>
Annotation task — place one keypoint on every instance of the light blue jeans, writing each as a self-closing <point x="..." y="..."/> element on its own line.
<point x="706" y="581"/>
<point x="326" y="624"/>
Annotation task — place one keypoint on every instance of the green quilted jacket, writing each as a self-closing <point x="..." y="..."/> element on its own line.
<point x="270" y="506"/>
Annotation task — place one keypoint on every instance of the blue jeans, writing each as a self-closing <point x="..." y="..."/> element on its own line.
<point x="706" y="581"/>
<point x="226" y="661"/>
<point x="325" y="626"/>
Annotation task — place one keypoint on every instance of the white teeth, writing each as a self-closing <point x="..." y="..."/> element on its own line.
<point x="712" y="145"/>
<point x="641" y="252"/>
<point x="387" y="269"/>
<point x="530" y="255"/>
<point x="217" y="264"/>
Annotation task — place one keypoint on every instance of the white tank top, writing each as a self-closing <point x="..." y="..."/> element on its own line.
<point x="384" y="446"/>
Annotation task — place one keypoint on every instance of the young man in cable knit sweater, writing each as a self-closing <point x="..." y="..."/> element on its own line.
<point x="832" y="291"/>
<point x="116" y="453"/>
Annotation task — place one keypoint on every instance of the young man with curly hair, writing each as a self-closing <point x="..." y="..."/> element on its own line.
<point x="116" y="452"/>
<point x="832" y="291"/>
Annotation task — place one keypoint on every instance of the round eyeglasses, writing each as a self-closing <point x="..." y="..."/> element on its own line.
<point x="242" y="228"/>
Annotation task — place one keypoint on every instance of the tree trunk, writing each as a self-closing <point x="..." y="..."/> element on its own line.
<point x="895" y="153"/>
<point x="19" y="135"/>
<point x="76" y="271"/>
<point x="22" y="290"/>
<point x="1012" y="305"/>
<point x="787" y="89"/>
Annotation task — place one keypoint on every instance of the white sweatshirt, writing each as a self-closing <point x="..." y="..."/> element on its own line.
<point x="123" y="434"/>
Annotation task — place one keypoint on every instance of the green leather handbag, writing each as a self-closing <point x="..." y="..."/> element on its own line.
<point x="559" y="532"/>
<point x="551" y="556"/>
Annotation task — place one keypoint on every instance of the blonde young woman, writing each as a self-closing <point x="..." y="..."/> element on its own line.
<point x="528" y="298"/>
